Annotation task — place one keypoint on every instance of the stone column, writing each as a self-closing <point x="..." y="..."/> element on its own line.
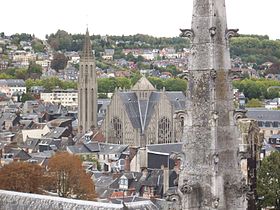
<point x="211" y="177"/>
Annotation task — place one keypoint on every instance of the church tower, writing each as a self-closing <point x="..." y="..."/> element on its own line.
<point x="87" y="88"/>
<point x="211" y="175"/>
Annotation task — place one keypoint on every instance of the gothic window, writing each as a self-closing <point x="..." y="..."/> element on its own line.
<point x="267" y="124"/>
<point x="86" y="70"/>
<point x="92" y="103"/>
<point x="275" y="124"/>
<point x="164" y="130"/>
<point x="86" y="103"/>
<point x="81" y="103"/>
<point x="91" y="70"/>
<point x="81" y="72"/>
<point x="260" y="123"/>
<point x="117" y="131"/>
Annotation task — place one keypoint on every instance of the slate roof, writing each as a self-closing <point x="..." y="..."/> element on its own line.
<point x="112" y="148"/>
<point x="264" y="114"/>
<point x="166" y="148"/>
<point x="56" y="133"/>
<point x="12" y="82"/>
<point x="130" y="102"/>
<point x="177" y="99"/>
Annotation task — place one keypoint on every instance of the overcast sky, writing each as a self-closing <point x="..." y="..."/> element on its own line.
<point x="117" y="17"/>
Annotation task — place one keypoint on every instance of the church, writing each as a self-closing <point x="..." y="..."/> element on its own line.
<point x="137" y="117"/>
<point x="144" y="115"/>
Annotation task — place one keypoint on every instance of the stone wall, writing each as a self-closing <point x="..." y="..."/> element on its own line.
<point x="25" y="201"/>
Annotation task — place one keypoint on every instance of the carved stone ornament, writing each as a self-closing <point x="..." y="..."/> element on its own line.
<point x="212" y="31"/>
<point x="186" y="188"/>
<point x="231" y="33"/>
<point x="213" y="74"/>
<point x="188" y="33"/>
<point x="239" y="114"/>
<point x="216" y="202"/>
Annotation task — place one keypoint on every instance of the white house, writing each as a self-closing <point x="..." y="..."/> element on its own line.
<point x="9" y="86"/>
<point x="66" y="98"/>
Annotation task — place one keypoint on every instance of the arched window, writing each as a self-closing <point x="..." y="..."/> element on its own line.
<point x="117" y="131"/>
<point x="164" y="130"/>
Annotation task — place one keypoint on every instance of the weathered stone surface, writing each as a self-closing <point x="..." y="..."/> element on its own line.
<point x="25" y="201"/>
<point x="211" y="176"/>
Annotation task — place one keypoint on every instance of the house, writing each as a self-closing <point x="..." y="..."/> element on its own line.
<point x="8" y="120"/>
<point x="11" y="153"/>
<point x="9" y="86"/>
<point x="67" y="98"/>
<point x="37" y="130"/>
<point x="108" y="54"/>
<point x="268" y="120"/>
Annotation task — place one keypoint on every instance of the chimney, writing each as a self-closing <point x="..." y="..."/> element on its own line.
<point x="127" y="164"/>
<point x="165" y="178"/>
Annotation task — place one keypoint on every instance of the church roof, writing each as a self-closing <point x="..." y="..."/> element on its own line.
<point x="177" y="99"/>
<point x="140" y="111"/>
<point x="143" y="84"/>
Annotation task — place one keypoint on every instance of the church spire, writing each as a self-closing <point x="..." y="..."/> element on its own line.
<point x="87" y="88"/>
<point x="211" y="177"/>
<point x="87" y="49"/>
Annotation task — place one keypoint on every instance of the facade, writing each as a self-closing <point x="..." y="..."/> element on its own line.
<point x="211" y="176"/>
<point x="66" y="98"/>
<point x="144" y="115"/>
<point x="10" y="86"/>
<point x="268" y="121"/>
<point x="87" y="88"/>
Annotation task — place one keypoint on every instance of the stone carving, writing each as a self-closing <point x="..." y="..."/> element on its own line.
<point x="216" y="158"/>
<point x="185" y="75"/>
<point x="187" y="187"/>
<point x="213" y="74"/>
<point x="216" y="202"/>
<point x="188" y="33"/>
<point x="231" y="33"/>
<point x="239" y="188"/>
<point x="212" y="31"/>
<point x="239" y="114"/>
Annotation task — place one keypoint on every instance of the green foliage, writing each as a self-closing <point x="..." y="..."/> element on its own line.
<point x="268" y="181"/>
<point x="156" y="82"/>
<point x="63" y="41"/>
<point x="38" y="45"/>
<point x="6" y="76"/>
<point x="123" y="83"/>
<point x="34" y="71"/>
<point x="21" y="74"/>
<point x="50" y="83"/>
<point x="254" y="103"/>
<point x="26" y="97"/>
<point x="102" y="95"/>
<point x="106" y="85"/>
<point x="255" y="49"/>
<point x="59" y="61"/>
<point x="256" y="88"/>
<point x="175" y="84"/>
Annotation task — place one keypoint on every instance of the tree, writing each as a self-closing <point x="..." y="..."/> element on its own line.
<point x="175" y="84"/>
<point x="38" y="45"/>
<point x="21" y="74"/>
<point x="268" y="181"/>
<point x="106" y="85"/>
<point x="34" y="71"/>
<point x="26" y="97"/>
<point x="254" y="103"/>
<point x="59" y="61"/>
<point x="22" y="177"/>
<point x="69" y="178"/>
